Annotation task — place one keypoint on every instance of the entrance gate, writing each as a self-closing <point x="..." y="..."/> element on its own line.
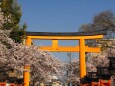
<point x="55" y="37"/>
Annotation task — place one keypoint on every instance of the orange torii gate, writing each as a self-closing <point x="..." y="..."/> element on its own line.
<point x="54" y="37"/>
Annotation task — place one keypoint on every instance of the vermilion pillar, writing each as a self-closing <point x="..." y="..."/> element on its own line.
<point x="27" y="68"/>
<point x="26" y="75"/>
<point x="28" y="41"/>
<point x="82" y="58"/>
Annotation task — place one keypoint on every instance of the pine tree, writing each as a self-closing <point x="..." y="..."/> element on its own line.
<point x="12" y="15"/>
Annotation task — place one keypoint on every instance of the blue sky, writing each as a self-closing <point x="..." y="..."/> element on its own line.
<point x="61" y="15"/>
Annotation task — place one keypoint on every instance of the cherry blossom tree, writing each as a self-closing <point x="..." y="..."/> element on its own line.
<point x="15" y="56"/>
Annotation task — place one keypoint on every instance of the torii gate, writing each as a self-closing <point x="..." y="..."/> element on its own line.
<point x="54" y="37"/>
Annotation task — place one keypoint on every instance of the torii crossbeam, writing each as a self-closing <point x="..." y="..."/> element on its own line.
<point x="54" y="37"/>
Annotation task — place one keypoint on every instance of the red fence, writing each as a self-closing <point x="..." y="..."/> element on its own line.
<point x="10" y="84"/>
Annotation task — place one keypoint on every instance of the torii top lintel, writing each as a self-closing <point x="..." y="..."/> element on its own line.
<point x="65" y="35"/>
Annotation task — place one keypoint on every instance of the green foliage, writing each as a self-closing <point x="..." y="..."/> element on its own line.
<point x="12" y="15"/>
<point x="18" y="35"/>
<point x="6" y="44"/>
<point x="24" y="26"/>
